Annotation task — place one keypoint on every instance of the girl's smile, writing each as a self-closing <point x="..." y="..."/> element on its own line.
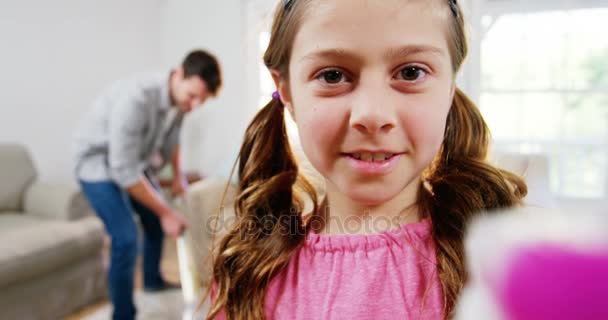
<point x="373" y="162"/>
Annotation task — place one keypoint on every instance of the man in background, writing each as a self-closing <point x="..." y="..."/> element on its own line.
<point x="130" y="132"/>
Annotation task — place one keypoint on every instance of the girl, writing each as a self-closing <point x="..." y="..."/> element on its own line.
<point x="371" y="87"/>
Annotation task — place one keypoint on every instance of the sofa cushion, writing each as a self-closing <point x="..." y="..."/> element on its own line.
<point x="13" y="220"/>
<point x="32" y="247"/>
<point x="55" y="201"/>
<point x="17" y="172"/>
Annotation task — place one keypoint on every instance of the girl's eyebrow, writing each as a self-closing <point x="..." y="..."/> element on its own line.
<point x="328" y="53"/>
<point x="391" y="54"/>
<point x="409" y="50"/>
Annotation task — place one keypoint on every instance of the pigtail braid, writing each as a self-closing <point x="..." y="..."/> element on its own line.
<point x="268" y="225"/>
<point x="463" y="185"/>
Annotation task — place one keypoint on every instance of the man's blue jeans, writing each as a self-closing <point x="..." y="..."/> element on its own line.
<point x="114" y="206"/>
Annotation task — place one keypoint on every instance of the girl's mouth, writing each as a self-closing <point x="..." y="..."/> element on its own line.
<point x="373" y="163"/>
<point x="371" y="157"/>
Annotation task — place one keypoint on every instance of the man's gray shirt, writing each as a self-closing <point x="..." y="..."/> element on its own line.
<point x="130" y="128"/>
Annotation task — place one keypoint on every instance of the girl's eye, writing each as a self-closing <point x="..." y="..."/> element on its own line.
<point x="412" y="73"/>
<point x="331" y="76"/>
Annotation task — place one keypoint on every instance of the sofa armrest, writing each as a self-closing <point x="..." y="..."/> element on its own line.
<point x="200" y="206"/>
<point x="55" y="201"/>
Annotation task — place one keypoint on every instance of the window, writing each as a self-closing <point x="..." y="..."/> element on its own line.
<point x="543" y="86"/>
<point x="544" y="89"/>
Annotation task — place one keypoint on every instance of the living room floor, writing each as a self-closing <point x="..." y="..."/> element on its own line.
<point x="169" y="267"/>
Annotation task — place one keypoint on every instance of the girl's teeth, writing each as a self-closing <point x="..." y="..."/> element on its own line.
<point x="367" y="157"/>
<point x="379" y="157"/>
<point x="372" y="157"/>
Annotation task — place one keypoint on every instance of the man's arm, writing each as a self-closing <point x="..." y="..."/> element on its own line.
<point x="126" y="135"/>
<point x="127" y="123"/>
<point x="180" y="182"/>
<point x="172" y="222"/>
<point x="175" y="161"/>
<point x="145" y="193"/>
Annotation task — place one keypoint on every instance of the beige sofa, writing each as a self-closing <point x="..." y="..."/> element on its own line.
<point x="50" y="245"/>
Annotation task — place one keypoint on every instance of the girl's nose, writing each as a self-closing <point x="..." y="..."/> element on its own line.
<point x="372" y="112"/>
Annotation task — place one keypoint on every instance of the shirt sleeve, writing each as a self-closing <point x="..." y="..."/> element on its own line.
<point x="173" y="137"/>
<point x="126" y="136"/>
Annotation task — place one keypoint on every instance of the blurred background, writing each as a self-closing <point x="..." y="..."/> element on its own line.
<point x="538" y="70"/>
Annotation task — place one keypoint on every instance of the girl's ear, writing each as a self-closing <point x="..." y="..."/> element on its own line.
<point x="283" y="88"/>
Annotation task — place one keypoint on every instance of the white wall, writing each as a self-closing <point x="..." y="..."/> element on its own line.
<point x="213" y="134"/>
<point x="470" y="72"/>
<point x="56" y="56"/>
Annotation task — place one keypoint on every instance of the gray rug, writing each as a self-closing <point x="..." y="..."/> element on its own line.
<point x="166" y="305"/>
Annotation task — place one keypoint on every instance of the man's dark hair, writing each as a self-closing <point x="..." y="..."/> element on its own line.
<point x="204" y="65"/>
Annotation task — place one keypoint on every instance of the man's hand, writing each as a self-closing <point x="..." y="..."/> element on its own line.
<point x="179" y="185"/>
<point x="173" y="223"/>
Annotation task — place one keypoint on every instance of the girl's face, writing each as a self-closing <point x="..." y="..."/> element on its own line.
<point x="370" y="86"/>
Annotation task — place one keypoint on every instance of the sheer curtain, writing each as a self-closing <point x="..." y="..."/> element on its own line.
<point x="544" y="87"/>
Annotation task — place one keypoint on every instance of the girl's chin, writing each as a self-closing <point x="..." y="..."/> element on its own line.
<point x="373" y="193"/>
<point x="370" y="197"/>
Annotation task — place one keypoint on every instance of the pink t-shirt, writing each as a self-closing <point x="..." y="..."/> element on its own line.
<point x="389" y="275"/>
